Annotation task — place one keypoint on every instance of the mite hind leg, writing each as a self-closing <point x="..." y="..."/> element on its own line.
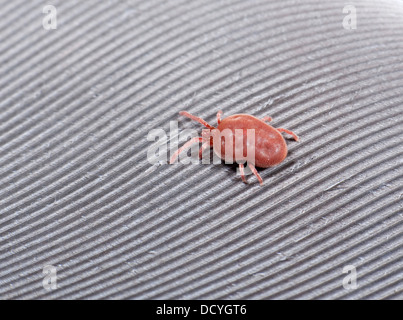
<point x="252" y="167"/>
<point x="288" y="132"/>
<point x="241" y="170"/>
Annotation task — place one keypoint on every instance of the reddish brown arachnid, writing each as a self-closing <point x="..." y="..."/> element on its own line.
<point x="270" y="147"/>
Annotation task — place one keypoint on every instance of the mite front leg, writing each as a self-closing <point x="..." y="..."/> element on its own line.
<point x="203" y="147"/>
<point x="289" y="132"/>
<point x="194" y="118"/>
<point x="187" y="145"/>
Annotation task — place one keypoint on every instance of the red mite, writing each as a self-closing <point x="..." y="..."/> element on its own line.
<point x="270" y="147"/>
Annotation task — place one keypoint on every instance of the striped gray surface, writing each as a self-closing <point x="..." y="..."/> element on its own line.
<point x="77" y="191"/>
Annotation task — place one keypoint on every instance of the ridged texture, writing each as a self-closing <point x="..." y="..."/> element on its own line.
<point x="77" y="191"/>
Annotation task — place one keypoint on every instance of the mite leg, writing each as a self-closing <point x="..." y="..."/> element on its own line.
<point x="252" y="167"/>
<point x="242" y="172"/>
<point x="203" y="147"/>
<point x="289" y="132"/>
<point x="184" y="147"/>
<point x="267" y="119"/>
<point x="200" y="120"/>
<point x="219" y="114"/>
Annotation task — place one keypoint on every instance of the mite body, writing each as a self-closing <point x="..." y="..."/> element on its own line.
<point x="269" y="147"/>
